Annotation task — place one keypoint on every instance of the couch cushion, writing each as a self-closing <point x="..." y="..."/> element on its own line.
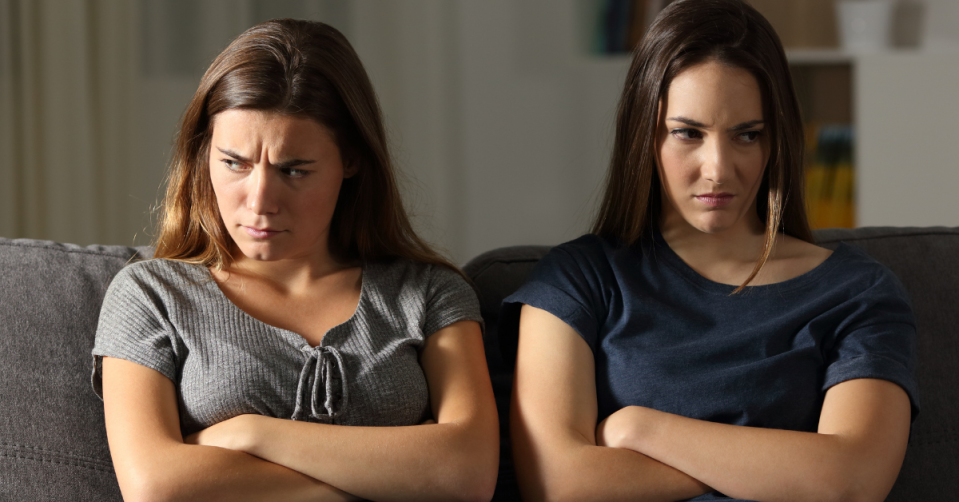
<point x="52" y="440"/>
<point x="922" y="258"/>
<point x="496" y="274"/>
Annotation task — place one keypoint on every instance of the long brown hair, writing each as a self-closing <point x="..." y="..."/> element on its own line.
<point x="686" y="33"/>
<point x="299" y="68"/>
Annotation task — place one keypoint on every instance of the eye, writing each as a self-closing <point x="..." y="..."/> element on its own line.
<point x="749" y="136"/>
<point x="293" y="172"/>
<point x="233" y="165"/>
<point x="686" y="133"/>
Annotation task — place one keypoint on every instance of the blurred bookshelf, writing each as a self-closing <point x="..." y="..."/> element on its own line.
<point x="822" y="75"/>
<point x="877" y="123"/>
<point x="823" y="80"/>
<point x="613" y="28"/>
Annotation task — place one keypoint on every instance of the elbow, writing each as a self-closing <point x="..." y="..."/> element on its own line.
<point x="560" y="491"/>
<point x="550" y="486"/>
<point x="478" y="489"/>
<point x="145" y="492"/>
<point x="472" y="470"/>
<point x="858" y="493"/>
<point x="848" y="488"/>
<point x="470" y="474"/>
<point x="476" y="492"/>
<point x="482" y="488"/>
<point x="146" y="487"/>
<point x="841" y="494"/>
<point x="474" y="481"/>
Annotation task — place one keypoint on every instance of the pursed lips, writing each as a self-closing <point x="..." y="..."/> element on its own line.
<point x="715" y="199"/>
<point x="261" y="233"/>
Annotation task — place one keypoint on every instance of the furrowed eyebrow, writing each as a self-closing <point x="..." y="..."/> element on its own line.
<point x="282" y="165"/>
<point x="747" y="125"/>
<point x="292" y="163"/>
<point x="740" y="127"/>
<point x="689" y="122"/>
<point x="233" y="154"/>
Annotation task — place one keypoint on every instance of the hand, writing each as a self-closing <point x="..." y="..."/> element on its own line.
<point x="233" y="434"/>
<point x="624" y="428"/>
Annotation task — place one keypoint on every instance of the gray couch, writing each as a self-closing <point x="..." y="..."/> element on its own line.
<point x="52" y="439"/>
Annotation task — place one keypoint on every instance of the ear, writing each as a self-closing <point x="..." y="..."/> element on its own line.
<point x="350" y="169"/>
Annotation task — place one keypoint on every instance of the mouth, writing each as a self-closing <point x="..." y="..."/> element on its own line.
<point x="715" y="200"/>
<point x="261" y="233"/>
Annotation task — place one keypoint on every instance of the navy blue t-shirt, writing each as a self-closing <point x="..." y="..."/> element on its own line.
<point x="665" y="337"/>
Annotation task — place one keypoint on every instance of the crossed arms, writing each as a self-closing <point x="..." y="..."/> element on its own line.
<point x="252" y="457"/>
<point x="643" y="454"/>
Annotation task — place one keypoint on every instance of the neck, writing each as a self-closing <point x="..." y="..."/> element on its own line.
<point x="728" y="256"/>
<point x="289" y="274"/>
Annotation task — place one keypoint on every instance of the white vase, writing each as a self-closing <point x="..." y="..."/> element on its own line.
<point x="865" y="25"/>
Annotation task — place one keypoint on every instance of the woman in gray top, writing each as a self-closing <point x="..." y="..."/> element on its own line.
<point x="294" y="339"/>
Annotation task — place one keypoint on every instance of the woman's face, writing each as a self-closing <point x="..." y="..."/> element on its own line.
<point x="276" y="179"/>
<point x="712" y="149"/>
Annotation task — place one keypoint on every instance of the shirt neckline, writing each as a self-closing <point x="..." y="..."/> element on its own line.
<point x="662" y="250"/>
<point x="292" y="336"/>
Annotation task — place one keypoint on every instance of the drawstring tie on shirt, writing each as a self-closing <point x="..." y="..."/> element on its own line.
<point x="323" y="366"/>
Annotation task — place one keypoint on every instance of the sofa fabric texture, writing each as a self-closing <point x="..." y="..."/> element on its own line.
<point x="52" y="439"/>
<point x="53" y="442"/>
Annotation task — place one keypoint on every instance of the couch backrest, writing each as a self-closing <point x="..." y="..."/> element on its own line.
<point x="924" y="259"/>
<point x="52" y="439"/>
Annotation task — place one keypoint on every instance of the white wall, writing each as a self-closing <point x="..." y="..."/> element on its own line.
<point x="499" y="119"/>
<point x="907" y="165"/>
<point x="495" y="114"/>
<point x="525" y="130"/>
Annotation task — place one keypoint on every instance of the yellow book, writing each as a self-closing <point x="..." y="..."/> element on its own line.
<point x="830" y="178"/>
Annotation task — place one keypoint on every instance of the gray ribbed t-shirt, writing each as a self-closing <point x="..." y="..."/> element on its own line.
<point x="172" y="317"/>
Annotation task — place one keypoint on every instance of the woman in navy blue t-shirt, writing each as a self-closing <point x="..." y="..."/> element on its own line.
<point x="697" y="344"/>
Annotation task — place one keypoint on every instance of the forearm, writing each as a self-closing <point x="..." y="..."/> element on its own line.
<point x="583" y="472"/>
<point x="205" y="473"/>
<point x="153" y="463"/>
<point x="756" y="463"/>
<point x="446" y="461"/>
<point x="553" y="423"/>
<point x="454" y="459"/>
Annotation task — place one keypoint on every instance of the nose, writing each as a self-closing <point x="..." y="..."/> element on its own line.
<point x="262" y="197"/>
<point x="717" y="165"/>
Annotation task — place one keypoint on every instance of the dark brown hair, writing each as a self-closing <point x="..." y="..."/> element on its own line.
<point x="298" y="68"/>
<point x="687" y="33"/>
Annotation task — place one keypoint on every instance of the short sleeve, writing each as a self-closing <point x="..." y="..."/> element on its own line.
<point x="878" y="339"/>
<point x="134" y="326"/>
<point x="449" y="299"/>
<point x="567" y="283"/>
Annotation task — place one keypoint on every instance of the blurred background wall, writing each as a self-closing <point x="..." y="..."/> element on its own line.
<point x="500" y="112"/>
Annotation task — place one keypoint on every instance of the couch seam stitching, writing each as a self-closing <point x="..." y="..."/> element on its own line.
<point x="73" y="463"/>
<point x="59" y="453"/>
<point x="71" y="251"/>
